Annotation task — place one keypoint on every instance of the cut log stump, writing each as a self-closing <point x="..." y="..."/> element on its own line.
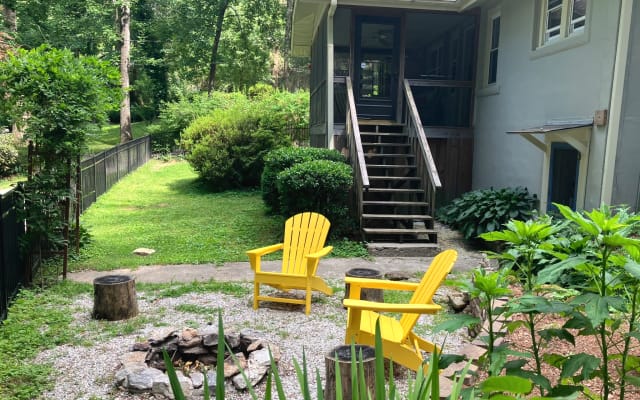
<point x="366" y="293"/>
<point x="342" y="356"/>
<point x="114" y="297"/>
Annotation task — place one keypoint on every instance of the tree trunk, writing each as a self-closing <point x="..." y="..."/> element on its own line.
<point x="9" y="17"/>
<point x="224" y="4"/>
<point x="125" y="49"/>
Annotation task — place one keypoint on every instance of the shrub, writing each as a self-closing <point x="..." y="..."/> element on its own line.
<point x="227" y="146"/>
<point x="175" y="117"/>
<point x="280" y="159"/>
<point x="8" y="154"/>
<point x="481" y="211"/>
<point x="320" y="185"/>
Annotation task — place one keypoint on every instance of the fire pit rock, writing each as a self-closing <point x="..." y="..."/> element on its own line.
<point x="194" y="352"/>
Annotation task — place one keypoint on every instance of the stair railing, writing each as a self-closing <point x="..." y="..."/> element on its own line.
<point x="356" y="154"/>
<point x="426" y="167"/>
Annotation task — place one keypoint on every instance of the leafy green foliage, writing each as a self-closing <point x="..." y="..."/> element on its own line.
<point x="321" y="186"/>
<point x="8" y="154"/>
<point x="487" y="210"/>
<point x="56" y="98"/>
<point x="280" y="159"/>
<point x="177" y="115"/>
<point x="227" y="146"/>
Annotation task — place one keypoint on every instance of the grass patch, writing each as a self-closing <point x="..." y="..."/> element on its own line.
<point x="37" y="320"/>
<point x="109" y="136"/>
<point x="164" y="206"/>
<point x="173" y="290"/>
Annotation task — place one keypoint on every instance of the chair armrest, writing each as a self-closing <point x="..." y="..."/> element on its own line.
<point x="380" y="284"/>
<point x="255" y="254"/>
<point x="321" y="253"/>
<point x="313" y="258"/>
<point x="430" y="308"/>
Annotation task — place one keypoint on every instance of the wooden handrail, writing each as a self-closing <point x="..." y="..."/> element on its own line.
<point x="352" y="121"/>
<point x="412" y="113"/>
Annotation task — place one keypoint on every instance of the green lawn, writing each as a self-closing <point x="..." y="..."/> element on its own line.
<point x="163" y="206"/>
<point x="109" y="136"/>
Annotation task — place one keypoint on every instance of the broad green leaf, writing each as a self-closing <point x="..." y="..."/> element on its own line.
<point x="562" y="334"/>
<point x="586" y="225"/>
<point x="569" y="392"/>
<point x="632" y="379"/>
<point x="617" y="240"/>
<point x="633" y="268"/>
<point x="553" y="359"/>
<point x="506" y="383"/>
<point x="552" y="273"/>
<point x="597" y="307"/>
<point x="455" y="322"/>
<point x="574" y="363"/>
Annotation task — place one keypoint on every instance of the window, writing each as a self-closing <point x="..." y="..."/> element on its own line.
<point x="562" y="18"/>
<point x="494" y="43"/>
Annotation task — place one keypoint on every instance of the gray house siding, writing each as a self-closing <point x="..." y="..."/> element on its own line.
<point x="626" y="180"/>
<point x="535" y="87"/>
<point x="318" y="87"/>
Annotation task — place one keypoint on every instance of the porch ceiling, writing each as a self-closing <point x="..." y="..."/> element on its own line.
<point x="307" y="15"/>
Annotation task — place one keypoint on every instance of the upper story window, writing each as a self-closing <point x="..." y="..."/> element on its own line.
<point x="562" y="18"/>
<point x="493" y="49"/>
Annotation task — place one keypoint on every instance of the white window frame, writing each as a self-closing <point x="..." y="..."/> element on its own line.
<point x="493" y="16"/>
<point x="569" y="37"/>
<point x="485" y="88"/>
<point x="567" y="22"/>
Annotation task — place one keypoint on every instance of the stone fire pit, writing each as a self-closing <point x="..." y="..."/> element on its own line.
<point x="194" y="352"/>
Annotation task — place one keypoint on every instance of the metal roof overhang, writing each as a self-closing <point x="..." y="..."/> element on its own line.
<point x="307" y="15"/>
<point x="580" y="144"/>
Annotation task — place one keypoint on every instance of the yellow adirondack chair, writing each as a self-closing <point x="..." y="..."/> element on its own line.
<point x="399" y="343"/>
<point x="302" y="248"/>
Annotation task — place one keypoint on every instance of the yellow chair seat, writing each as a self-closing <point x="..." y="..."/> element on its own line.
<point x="302" y="249"/>
<point x="399" y="342"/>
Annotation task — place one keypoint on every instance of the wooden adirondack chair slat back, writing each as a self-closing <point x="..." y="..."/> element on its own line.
<point x="303" y="234"/>
<point x="437" y="272"/>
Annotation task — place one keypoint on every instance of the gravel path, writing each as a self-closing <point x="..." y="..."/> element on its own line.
<point x="86" y="370"/>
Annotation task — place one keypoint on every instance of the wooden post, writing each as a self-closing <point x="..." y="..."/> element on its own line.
<point x="341" y="356"/>
<point x="114" y="297"/>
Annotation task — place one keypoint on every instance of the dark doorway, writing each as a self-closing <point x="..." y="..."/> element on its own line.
<point x="563" y="175"/>
<point x="376" y="66"/>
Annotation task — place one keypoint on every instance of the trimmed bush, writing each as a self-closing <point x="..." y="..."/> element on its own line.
<point x="278" y="160"/>
<point x="227" y="146"/>
<point x="177" y="116"/>
<point x="481" y="211"/>
<point x="8" y="154"/>
<point x="322" y="186"/>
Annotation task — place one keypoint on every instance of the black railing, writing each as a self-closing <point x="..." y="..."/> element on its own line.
<point x="98" y="173"/>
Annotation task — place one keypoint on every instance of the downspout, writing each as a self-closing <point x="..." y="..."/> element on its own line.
<point x="615" y="106"/>
<point x="332" y="10"/>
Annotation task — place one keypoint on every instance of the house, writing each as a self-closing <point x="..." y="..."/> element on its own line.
<point x="543" y="94"/>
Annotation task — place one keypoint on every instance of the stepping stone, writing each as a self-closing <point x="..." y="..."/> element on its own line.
<point x="143" y="251"/>
<point x="472" y="352"/>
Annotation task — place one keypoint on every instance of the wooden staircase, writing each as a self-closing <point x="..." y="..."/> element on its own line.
<point x="395" y="219"/>
<point x="396" y="180"/>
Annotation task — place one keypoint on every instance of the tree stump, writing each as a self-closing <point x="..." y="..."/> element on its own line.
<point x="342" y="354"/>
<point x="114" y="297"/>
<point x="365" y="294"/>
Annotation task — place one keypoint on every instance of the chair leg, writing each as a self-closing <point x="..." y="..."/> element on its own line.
<point x="307" y="306"/>
<point x="256" y="293"/>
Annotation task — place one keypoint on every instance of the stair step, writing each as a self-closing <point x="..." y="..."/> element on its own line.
<point x="396" y="216"/>
<point x="391" y="190"/>
<point x="395" y="203"/>
<point x="390" y="166"/>
<point x="394" y="178"/>
<point x="397" y="231"/>
<point x="398" y="155"/>
<point x="386" y="144"/>
<point x="397" y="134"/>
<point x="392" y="249"/>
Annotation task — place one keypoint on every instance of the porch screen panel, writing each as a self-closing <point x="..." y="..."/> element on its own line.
<point x="318" y="87"/>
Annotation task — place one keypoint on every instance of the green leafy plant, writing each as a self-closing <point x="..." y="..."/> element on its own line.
<point x="321" y="186"/>
<point x="227" y="146"/>
<point x="487" y="210"/>
<point x="280" y="159"/>
<point x="608" y="258"/>
<point x="8" y="154"/>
